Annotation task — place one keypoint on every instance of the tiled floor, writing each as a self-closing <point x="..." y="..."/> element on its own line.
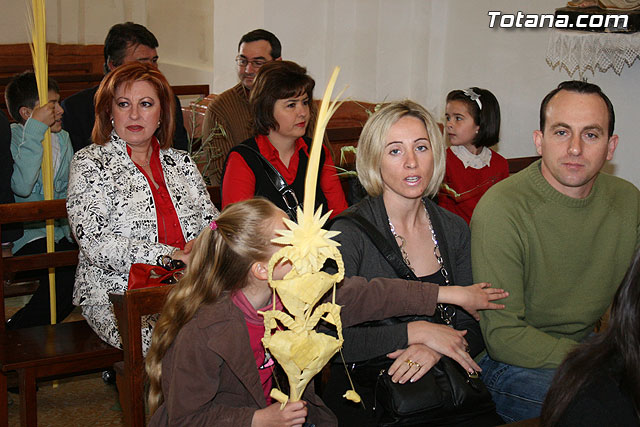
<point x="77" y="401"/>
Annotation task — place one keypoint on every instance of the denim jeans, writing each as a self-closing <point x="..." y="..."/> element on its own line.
<point x="518" y="392"/>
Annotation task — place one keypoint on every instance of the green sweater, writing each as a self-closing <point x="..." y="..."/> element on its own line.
<point x="560" y="258"/>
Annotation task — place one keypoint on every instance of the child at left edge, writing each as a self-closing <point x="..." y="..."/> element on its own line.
<point x="472" y="126"/>
<point x="33" y="120"/>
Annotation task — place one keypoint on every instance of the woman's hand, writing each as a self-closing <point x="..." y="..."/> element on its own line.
<point x="473" y="298"/>
<point x="293" y="414"/>
<point x="412" y="363"/>
<point x="443" y="339"/>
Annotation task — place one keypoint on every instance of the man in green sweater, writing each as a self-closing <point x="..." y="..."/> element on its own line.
<point x="559" y="237"/>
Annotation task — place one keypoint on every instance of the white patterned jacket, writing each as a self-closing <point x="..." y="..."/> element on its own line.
<point x="113" y="217"/>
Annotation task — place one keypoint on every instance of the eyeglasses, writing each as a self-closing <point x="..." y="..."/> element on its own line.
<point x="255" y="63"/>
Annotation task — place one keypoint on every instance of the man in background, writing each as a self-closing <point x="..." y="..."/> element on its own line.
<point x="228" y="120"/>
<point x="125" y="43"/>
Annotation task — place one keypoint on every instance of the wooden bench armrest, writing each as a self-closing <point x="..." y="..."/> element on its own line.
<point x="129" y="307"/>
<point x="14" y="264"/>
<point x="33" y="211"/>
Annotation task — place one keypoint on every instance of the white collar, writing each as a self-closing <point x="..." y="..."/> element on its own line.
<point x="475" y="161"/>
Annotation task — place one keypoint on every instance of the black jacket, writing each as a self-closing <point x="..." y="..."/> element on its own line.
<point x="10" y="232"/>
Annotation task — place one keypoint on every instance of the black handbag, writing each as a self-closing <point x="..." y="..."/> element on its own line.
<point x="286" y="192"/>
<point x="446" y="395"/>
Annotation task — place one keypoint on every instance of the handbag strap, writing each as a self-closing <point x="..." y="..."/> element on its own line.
<point x="276" y="178"/>
<point x="381" y="243"/>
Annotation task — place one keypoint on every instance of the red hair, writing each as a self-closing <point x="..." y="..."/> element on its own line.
<point x="126" y="75"/>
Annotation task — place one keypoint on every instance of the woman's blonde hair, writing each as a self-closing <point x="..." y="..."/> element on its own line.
<point x="372" y="143"/>
<point x="220" y="263"/>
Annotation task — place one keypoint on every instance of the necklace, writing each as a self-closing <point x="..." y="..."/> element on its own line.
<point x="447" y="312"/>
<point x="144" y="165"/>
<point x="405" y="255"/>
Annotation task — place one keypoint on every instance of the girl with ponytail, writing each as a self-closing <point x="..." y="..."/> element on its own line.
<point x="207" y="365"/>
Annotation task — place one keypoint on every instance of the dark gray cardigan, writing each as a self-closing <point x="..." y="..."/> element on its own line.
<point x="362" y="258"/>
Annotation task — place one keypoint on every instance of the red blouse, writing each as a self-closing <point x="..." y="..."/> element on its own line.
<point x="467" y="185"/>
<point x="240" y="183"/>
<point x="169" y="229"/>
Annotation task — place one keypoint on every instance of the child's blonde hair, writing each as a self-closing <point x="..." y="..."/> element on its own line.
<point x="220" y="263"/>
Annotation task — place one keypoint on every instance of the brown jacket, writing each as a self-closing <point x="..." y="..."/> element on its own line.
<point x="209" y="375"/>
<point x="229" y="113"/>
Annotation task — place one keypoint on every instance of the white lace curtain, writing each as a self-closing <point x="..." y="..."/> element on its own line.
<point x="576" y="51"/>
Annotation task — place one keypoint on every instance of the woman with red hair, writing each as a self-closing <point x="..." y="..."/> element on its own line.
<point x="131" y="198"/>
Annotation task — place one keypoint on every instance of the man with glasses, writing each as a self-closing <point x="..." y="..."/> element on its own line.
<point x="125" y="43"/>
<point x="228" y="118"/>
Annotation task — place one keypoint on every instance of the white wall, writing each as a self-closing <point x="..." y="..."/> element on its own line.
<point x="388" y="49"/>
<point x="391" y="49"/>
<point x="70" y="21"/>
<point x="382" y="46"/>
<point x="508" y="62"/>
<point x="511" y="63"/>
<point x="184" y="30"/>
<point x="232" y="19"/>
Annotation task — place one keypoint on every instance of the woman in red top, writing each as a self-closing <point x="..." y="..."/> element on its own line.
<point x="282" y="104"/>
<point x="473" y="125"/>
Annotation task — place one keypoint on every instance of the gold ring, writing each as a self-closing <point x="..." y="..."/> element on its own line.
<point x="410" y="362"/>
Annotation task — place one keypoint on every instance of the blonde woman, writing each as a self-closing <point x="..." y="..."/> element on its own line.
<point x="401" y="163"/>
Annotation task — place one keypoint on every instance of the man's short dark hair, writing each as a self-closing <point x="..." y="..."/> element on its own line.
<point x="581" y="87"/>
<point x="120" y="37"/>
<point x="22" y="91"/>
<point x="260" y="34"/>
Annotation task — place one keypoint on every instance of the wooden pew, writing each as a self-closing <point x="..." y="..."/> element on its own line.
<point x="31" y="211"/>
<point x="8" y="70"/>
<point x="516" y="164"/>
<point x="129" y="308"/>
<point x="64" y="61"/>
<point x="43" y="351"/>
<point x="196" y="90"/>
